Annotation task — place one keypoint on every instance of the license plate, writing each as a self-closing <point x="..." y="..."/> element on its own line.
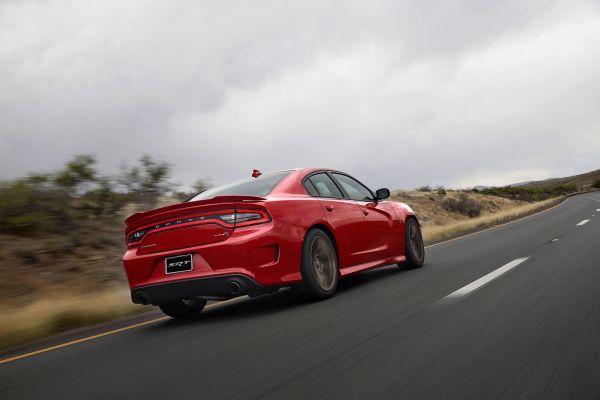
<point x="176" y="264"/>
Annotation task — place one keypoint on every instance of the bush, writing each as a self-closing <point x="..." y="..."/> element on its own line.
<point x="426" y="188"/>
<point x="596" y="184"/>
<point x="441" y="190"/>
<point x="67" y="200"/>
<point x="464" y="205"/>
<point x="31" y="205"/>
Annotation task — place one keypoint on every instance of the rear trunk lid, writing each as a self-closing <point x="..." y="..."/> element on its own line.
<point x="187" y="224"/>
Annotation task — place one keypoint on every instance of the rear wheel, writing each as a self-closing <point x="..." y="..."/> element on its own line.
<point x="319" y="266"/>
<point x="183" y="308"/>
<point x="415" y="249"/>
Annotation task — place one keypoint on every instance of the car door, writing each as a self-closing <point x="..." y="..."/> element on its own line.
<point x="380" y="234"/>
<point x="343" y="215"/>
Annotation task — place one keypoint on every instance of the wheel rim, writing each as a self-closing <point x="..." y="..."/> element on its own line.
<point x="323" y="263"/>
<point x="416" y="241"/>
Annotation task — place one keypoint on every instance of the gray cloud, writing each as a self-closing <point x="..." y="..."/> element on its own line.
<point x="398" y="93"/>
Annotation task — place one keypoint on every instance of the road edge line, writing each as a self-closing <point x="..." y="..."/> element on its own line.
<point x="99" y="335"/>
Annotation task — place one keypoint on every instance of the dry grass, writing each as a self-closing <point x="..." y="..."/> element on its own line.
<point x="57" y="313"/>
<point x="442" y="222"/>
<point x="433" y="233"/>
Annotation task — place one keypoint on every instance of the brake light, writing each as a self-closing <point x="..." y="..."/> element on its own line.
<point x="251" y="217"/>
<point x="228" y="219"/>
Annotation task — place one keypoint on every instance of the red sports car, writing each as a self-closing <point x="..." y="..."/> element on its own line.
<point x="303" y="228"/>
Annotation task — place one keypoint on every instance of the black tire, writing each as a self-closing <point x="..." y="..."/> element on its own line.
<point x="183" y="308"/>
<point x="415" y="249"/>
<point x="319" y="266"/>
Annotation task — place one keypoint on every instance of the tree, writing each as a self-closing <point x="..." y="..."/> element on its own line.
<point x="147" y="181"/>
<point x="78" y="171"/>
<point x="201" y="185"/>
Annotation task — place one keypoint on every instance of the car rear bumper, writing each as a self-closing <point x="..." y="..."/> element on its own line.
<point x="214" y="287"/>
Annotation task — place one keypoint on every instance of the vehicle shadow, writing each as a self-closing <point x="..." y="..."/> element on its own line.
<point x="281" y="301"/>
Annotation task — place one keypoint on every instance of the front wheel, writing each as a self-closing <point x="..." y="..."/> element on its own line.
<point x="415" y="249"/>
<point x="319" y="266"/>
<point x="183" y="308"/>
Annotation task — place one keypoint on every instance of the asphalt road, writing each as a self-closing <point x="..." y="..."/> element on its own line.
<point x="445" y="331"/>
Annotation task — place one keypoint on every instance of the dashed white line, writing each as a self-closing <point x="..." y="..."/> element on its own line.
<point x="465" y="290"/>
<point x="598" y="210"/>
<point x="585" y="221"/>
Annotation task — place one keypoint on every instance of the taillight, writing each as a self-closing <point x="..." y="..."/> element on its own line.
<point x="136" y="236"/>
<point x="227" y="219"/>
<point x="251" y="217"/>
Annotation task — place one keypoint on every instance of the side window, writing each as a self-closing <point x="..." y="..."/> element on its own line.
<point x="325" y="186"/>
<point x="355" y="190"/>
<point x="310" y="188"/>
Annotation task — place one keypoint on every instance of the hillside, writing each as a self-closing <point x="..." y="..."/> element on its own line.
<point x="445" y="214"/>
<point x="581" y="181"/>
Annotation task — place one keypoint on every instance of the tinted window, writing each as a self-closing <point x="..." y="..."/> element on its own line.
<point x="310" y="188"/>
<point x="355" y="190"/>
<point x="260" y="187"/>
<point x="325" y="186"/>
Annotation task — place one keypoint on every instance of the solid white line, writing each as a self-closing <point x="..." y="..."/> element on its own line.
<point x="597" y="209"/>
<point x="585" y="221"/>
<point x="465" y="290"/>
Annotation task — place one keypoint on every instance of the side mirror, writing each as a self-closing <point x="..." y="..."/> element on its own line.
<point x="382" y="194"/>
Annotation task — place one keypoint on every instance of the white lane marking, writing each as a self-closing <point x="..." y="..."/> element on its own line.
<point x="585" y="221"/>
<point x="598" y="210"/>
<point x="555" y="240"/>
<point x="465" y="290"/>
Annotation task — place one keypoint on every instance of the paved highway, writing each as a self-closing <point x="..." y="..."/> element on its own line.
<point x="508" y="313"/>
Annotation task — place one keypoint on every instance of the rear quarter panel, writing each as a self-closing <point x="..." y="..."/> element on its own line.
<point x="292" y="216"/>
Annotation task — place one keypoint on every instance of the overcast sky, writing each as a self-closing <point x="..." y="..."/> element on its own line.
<point x="398" y="93"/>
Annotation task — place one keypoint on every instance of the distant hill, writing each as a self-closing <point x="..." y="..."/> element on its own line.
<point x="581" y="181"/>
<point x="529" y="182"/>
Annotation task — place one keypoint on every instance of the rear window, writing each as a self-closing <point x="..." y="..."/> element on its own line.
<point x="259" y="187"/>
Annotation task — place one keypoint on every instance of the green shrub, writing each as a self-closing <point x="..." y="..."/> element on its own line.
<point x="426" y="188"/>
<point x="30" y="205"/>
<point x="464" y="205"/>
<point x="596" y="184"/>
<point x="69" y="199"/>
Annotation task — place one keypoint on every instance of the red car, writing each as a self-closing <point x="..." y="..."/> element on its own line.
<point x="303" y="228"/>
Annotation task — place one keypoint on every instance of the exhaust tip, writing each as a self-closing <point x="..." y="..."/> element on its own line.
<point x="234" y="287"/>
<point x="143" y="299"/>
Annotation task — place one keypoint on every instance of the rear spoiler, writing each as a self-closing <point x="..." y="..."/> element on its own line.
<point x="215" y="200"/>
<point x="191" y="204"/>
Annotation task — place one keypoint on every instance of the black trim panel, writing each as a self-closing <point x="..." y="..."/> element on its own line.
<point x="214" y="287"/>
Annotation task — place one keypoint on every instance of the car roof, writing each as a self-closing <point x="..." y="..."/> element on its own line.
<point x="292" y="184"/>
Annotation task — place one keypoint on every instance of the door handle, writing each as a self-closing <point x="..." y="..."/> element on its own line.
<point x="365" y="211"/>
<point x="329" y="208"/>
